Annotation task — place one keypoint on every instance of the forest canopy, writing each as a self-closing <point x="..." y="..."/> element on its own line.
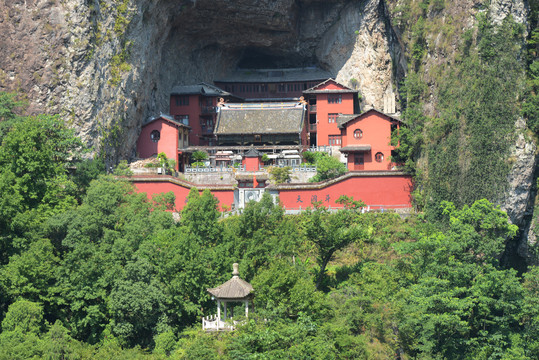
<point x="91" y="268"/>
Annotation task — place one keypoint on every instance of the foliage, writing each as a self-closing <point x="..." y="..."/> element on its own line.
<point x="285" y="289"/>
<point x="164" y="162"/>
<point x="123" y="169"/>
<point x="460" y="292"/>
<point x="9" y="108"/>
<point x="330" y="232"/>
<point x="280" y="174"/>
<point x="199" y="156"/>
<point x="92" y="269"/>
<point x="327" y="166"/>
<point x="201" y="214"/>
<point x="198" y="164"/>
<point x="464" y="148"/>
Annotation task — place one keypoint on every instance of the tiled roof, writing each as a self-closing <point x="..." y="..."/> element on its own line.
<point x="169" y="119"/>
<point x="365" y="147"/>
<point x="253" y="153"/>
<point x="199" y="89"/>
<point x="234" y="288"/>
<point x="265" y="118"/>
<point x="314" y="90"/>
<point x="276" y="75"/>
<point x="344" y="119"/>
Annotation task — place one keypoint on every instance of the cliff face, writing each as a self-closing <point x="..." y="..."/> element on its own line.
<point x="108" y="65"/>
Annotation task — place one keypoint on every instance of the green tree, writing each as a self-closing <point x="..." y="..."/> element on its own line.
<point x="462" y="305"/>
<point x="199" y="156"/>
<point x="280" y="174"/>
<point x="37" y="151"/>
<point x="287" y="290"/>
<point x="9" y="109"/>
<point x="24" y="315"/>
<point x="327" y="167"/>
<point x="330" y="232"/>
<point x="201" y="214"/>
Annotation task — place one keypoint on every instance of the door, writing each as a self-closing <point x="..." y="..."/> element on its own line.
<point x="359" y="161"/>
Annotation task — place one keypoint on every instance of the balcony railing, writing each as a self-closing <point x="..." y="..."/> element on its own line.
<point x="312" y="108"/>
<point x="208" y="109"/>
<point x="323" y="148"/>
<point x="213" y="323"/>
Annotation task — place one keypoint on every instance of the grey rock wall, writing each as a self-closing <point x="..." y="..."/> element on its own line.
<point x="67" y="55"/>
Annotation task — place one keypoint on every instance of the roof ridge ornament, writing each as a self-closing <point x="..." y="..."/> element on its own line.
<point x="235" y="270"/>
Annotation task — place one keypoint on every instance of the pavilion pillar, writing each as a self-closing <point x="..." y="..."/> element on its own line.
<point x="218" y="313"/>
<point x="225" y="309"/>
<point x="246" y="308"/>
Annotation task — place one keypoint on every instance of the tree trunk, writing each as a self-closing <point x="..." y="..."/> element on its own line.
<point x="323" y="265"/>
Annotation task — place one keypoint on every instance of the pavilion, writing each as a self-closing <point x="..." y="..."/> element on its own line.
<point x="233" y="291"/>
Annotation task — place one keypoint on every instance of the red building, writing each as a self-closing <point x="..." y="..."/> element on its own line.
<point x="272" y="84"/>
<point x="164" y="134"/>
<point x="366" y="139"/>
<point x="326" y="101"/>
<point x="195" y="106"/>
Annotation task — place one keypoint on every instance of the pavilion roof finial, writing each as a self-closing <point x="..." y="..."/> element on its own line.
<point x="235" y="288"/>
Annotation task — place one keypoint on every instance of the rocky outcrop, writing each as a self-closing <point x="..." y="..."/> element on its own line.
<point x="517" y="200"/>
<point x="108" y="65"/>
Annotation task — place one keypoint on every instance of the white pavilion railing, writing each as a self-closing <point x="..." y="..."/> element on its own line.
<point x="213" y="323"/>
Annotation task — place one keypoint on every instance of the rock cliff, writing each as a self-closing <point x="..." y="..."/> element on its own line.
<point x="109" y="65"/>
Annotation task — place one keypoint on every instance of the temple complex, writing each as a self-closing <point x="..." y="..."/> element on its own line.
<point x="254" y="119"/>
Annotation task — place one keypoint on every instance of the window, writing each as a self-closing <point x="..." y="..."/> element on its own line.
<point x="182" y="100"/>
<point x="358" y="134"/>
<point x="332" y="118"/>
<point x="282" y="87"/>
<point x="155" y="135"/>
<point x="359" y="159"/>
<point x="334" y="139"/>
<point x="184" y="119"/>
<point x="205" y="101"/>
<point x="257" y="138"/>
<point x="379" y="157"/>
<point x="334" y="99"/>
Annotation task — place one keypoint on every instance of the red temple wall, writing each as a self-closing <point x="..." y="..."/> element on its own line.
<point x="193" y="111"/>
<point x="225" y="197"/>
<point x="252" y="163"/>
<point x="379" y="191"/>
<point x="376" y="191"/>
